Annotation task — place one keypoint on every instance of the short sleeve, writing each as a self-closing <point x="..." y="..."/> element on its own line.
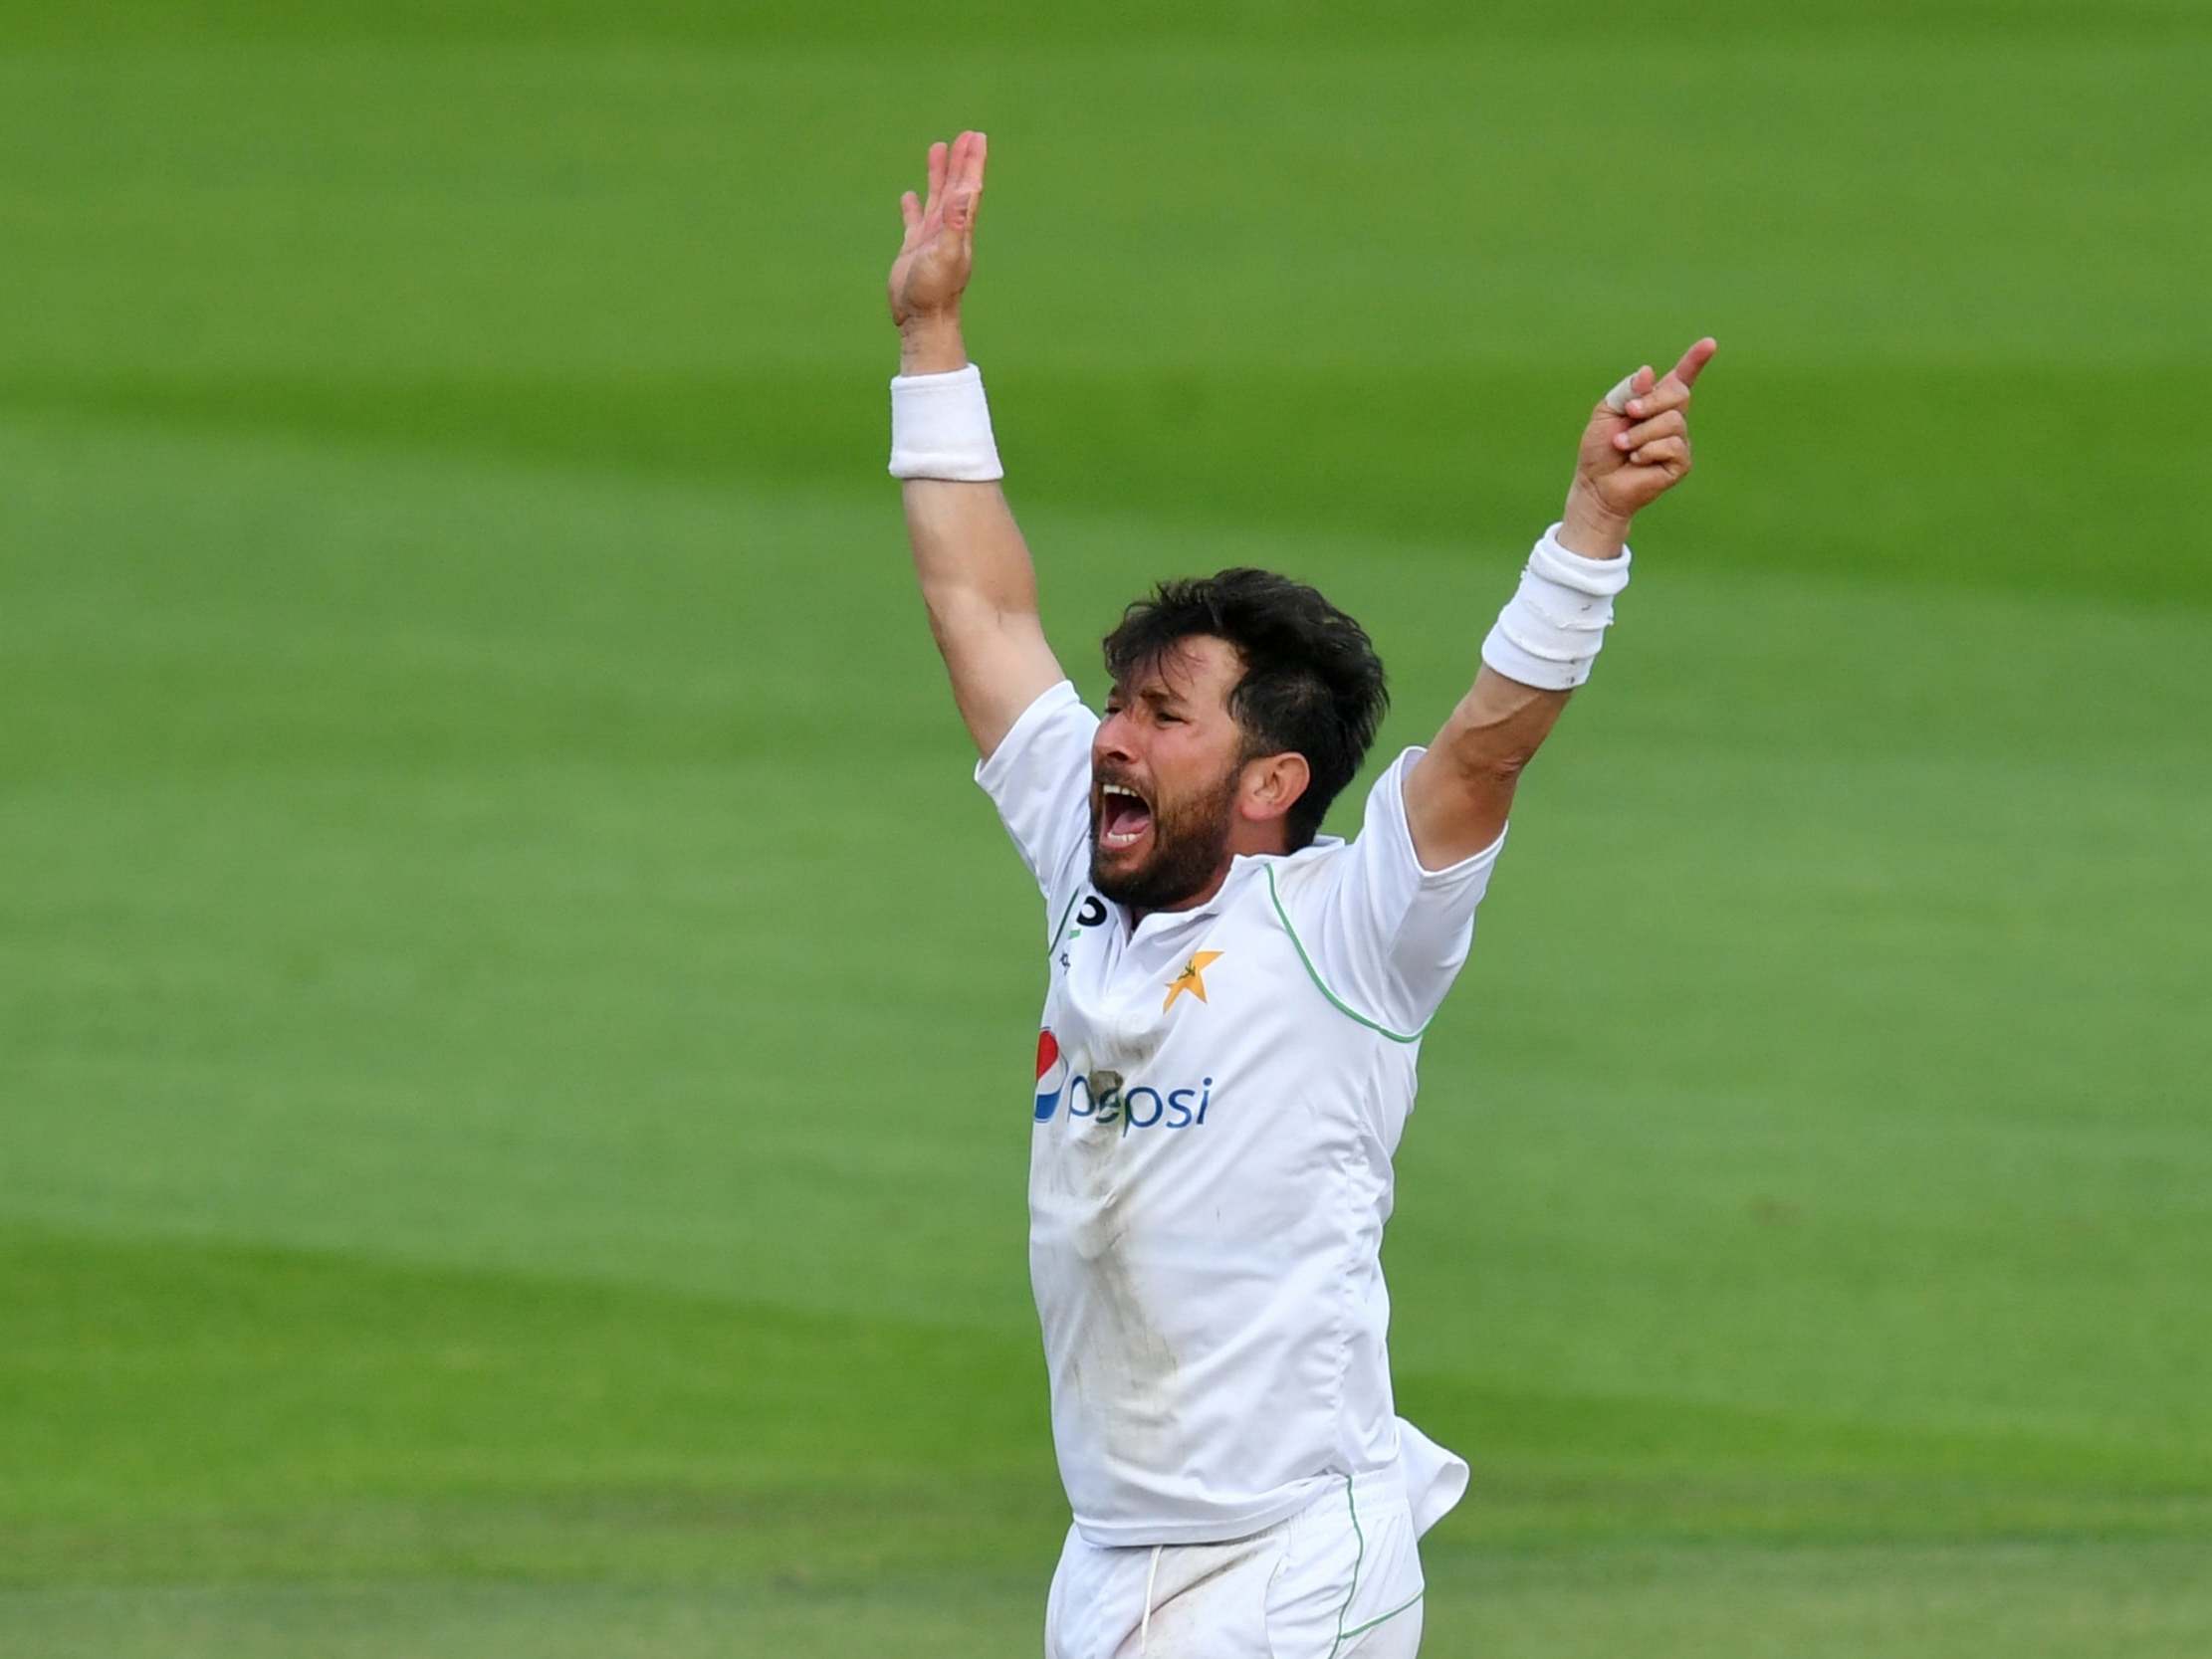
<point x="1038" y="777"/>
<point x="1385" y="936"/>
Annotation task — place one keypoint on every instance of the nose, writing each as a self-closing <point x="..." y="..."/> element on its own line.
<point x="1114" y="741"/>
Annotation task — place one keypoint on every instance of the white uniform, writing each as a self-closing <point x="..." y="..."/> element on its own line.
<point x="1218" y="1097"/>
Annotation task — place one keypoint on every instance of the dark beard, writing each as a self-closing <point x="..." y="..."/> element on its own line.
<point x="1188" y="847"/>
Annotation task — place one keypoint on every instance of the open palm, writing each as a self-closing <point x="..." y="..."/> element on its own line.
<point x="933" y="261"/>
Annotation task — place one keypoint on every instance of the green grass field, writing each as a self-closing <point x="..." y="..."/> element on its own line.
<point x="515" y="1025"/>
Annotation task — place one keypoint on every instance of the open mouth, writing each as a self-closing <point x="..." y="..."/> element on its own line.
<point x="1123" y="816"/>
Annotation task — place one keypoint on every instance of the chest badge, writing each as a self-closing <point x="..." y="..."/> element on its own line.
<point x="1192" y="979"/>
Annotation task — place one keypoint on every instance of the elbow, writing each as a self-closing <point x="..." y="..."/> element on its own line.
<point x="1489" y="758"/>
<point x="959" y="605"/>
<point x="1483" y="777"/>
<point x="962" y="618"/>
<point x="1497" y="730"/>
<point x="1494" y="771"/>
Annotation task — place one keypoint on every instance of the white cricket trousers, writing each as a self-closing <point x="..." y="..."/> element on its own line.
<point x="1340" y="1579"/>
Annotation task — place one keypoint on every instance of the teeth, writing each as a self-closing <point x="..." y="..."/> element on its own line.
<point x="1117" y="839"/>
<point x="1128" y="838"/>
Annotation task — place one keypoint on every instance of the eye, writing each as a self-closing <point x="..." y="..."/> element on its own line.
<point x="1166" y="719"/>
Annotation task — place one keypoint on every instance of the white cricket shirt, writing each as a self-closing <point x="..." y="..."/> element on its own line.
<point x="1218" y="1097"/>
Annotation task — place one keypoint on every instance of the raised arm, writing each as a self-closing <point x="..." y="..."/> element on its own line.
<point x="1635" y="449"/>
<point x="977" y="581"/>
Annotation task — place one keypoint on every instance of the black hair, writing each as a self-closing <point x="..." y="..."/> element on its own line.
<point x="1312" y="683"/>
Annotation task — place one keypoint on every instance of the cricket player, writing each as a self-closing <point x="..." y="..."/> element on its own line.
<point x="1234" y="1007"/>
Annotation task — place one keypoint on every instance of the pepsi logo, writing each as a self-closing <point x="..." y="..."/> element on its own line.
<point x="1051" y="1075"/>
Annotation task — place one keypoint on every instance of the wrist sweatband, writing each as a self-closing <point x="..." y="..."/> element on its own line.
<point x="1549" y="634"/>
<point x="940" y="427"/>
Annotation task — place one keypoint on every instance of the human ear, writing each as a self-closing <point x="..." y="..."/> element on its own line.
<point x="1272" y="785"/>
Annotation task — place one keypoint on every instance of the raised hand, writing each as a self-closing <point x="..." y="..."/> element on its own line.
<point x="933" y="261"/>
<point x="1635" y="449"/>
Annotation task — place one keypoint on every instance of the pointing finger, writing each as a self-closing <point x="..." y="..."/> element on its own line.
<point x="911" y="211"/>
<point x="964" y="182"/>
<point x="1694" y="360"/>
<point x="1674" y="391"/>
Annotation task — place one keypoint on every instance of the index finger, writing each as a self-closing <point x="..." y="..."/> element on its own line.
<point x="964" y="182"/>
<point x="1694" y="360"/>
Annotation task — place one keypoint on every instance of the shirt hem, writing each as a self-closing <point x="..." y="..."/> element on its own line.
<point x="1216" y="1530"/>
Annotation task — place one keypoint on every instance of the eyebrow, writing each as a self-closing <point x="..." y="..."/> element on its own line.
<point x="1158" y="695"/>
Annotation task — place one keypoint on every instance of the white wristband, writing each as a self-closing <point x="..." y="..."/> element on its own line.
<point x="1550" y="632"/>
<point x="940" y="427"/>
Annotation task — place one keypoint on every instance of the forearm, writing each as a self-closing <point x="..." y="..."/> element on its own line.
<point x="977" y="580"/>
<point x="966" y="545"/>
<point x="1496" y="729"/>
<point x="969" y="554"/>
<point x="1461" y="791"/>
<point x="1500" y="724"/>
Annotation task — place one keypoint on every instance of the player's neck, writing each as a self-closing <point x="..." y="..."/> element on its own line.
<point x="1246" y="841"/>
<point x="1198" y="897"/>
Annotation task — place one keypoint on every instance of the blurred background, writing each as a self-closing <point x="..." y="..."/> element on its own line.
<point x="515" y="1021"/>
